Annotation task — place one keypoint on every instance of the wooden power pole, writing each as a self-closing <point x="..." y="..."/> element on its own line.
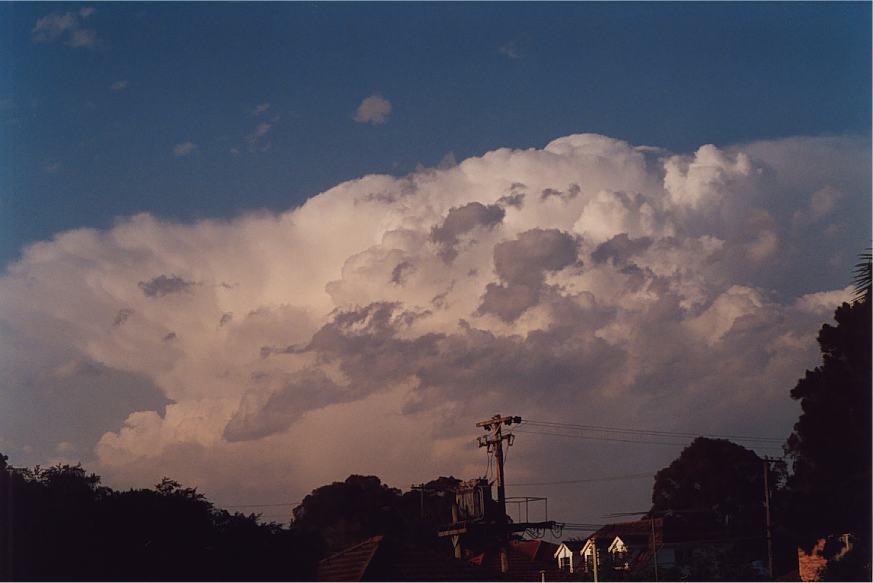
<point x="769" y="522"/>
<point x="494" y="442"/>
<point x="477" y="518"/>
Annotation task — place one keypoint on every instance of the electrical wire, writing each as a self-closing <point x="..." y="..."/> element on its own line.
<point x="650" y="432"/>
<point x="260" y="505"/>
<point x="620" y="439"/>
<point x="601" y="438"/>
<point x="587" y="480"/>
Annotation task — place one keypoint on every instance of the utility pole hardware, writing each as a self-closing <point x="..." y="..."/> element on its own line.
<point x="473" y="512"/>
<point x="494" y="442"/>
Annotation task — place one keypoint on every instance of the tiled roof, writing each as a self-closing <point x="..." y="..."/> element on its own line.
<point x="527" y="559"/>
<point x="536" y="550"/>
<point x="427" y="565"/>
<point x="349" y="564"/>
<point x="378" y="559"/>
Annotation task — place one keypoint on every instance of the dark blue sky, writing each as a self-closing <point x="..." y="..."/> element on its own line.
<point x="460" y="77"/>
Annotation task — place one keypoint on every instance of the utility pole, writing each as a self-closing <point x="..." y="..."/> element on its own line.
<point x="654" y="547"/>
<point x="472" y="511"/>
<point x="594" y="556"/>
<point x="494" y="442"/>
<point x="420" y="488"/>
<point x="767" y="510"/>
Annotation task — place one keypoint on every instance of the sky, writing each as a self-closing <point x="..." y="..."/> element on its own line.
<point x="259" y="247"/>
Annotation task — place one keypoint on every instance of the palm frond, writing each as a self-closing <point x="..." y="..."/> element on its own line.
<point x="862" y="277"/>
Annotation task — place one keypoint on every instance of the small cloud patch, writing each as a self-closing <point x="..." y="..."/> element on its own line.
<point x="375" y="110"/>
<point x="184" y="149"/>
<point x="66" y="26"/>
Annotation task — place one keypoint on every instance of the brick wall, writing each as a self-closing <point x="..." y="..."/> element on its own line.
<point x="810" y="564"/>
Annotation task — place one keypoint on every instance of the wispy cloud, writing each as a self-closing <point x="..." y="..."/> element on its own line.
<point x="262" y="130"/>
<point x="120" y="85"/>
<point x="375" y="110"/>
<point x="261" y="108"/>
<point x="67" y="26"/>
<point x="509" y="50"/>
<point x="517" y="48"/>
<point x="257" y="140"/>
<point x="184" y="149"/>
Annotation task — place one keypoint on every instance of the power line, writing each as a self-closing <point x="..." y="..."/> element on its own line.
<point x="622" y="440"/>
<point x="649" y="432"/>
<point x="259" y="505"/>
<point x="586" y="480"/>
<point x="600" y="438"/>
<point x="666" y="511"/>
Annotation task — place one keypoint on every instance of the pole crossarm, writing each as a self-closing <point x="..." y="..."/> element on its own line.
<point x="498" y="420"/>
<point x="465" y="528"/>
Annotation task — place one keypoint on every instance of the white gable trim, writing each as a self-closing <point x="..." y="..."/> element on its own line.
<point x="563" y="551"/>
<point x="617" y="546"/>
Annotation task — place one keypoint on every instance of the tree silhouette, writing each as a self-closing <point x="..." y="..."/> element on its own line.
<point x="59" y="523"/>
<point x="863" y="276"/>
<point x="348" y="512"/>
<point x="714" y="491"/>
<point x="830" y="489"/>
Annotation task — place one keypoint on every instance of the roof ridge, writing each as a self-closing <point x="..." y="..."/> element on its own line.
<point x="377" y="538"/>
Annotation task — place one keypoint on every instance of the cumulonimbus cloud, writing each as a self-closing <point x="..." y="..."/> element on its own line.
<point x="590" y="275"/>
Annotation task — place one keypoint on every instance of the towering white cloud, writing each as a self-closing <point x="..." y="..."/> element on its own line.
<point x="369" y="328"/>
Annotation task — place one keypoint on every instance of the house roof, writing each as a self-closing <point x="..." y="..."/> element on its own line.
<point x="634" y="532"/>
<point x="573" y="546"/>
<point x="527" y="559"/>
<point x="349" y="564"/>
<point x="378" y="559"/>
<point x="428" y="565"/>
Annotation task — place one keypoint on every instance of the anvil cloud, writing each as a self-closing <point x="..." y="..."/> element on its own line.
<point x="366" y="330"/>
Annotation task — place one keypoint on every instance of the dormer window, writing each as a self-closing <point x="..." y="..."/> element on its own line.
<point x="618" y="551"/>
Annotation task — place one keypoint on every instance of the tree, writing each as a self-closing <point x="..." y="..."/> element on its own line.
<point x="830" y="447"/>
<point x="59" y="523"/>
<point x="345" y="513"/>
<point x="863" y="277"/>
<point x="713" y="493"/>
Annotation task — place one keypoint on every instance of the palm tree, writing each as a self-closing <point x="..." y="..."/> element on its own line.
<point x="862" y="277"/>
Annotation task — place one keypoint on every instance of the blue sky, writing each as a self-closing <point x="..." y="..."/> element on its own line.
<point x="462" y="78"/>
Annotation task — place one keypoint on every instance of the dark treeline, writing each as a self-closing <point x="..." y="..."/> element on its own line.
<point x="60" y="523"/>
